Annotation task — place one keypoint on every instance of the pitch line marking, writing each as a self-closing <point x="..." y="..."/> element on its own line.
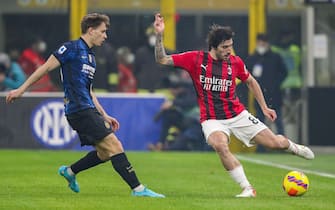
<point x="277" y="165"/>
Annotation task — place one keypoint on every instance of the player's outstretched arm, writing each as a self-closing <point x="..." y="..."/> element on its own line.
<point x="160" y="54"/>
<point x="49" y="65"/>
<point x="257" y="91"/>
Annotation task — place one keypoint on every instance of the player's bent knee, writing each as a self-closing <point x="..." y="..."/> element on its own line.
<point x="104" y="156"/>
<point x="118" y="146"/>
<point x="216" y="138"/>
<point x="220" y="147"/>
<point x="110" y="146"/>
<point x="223" y="150"/>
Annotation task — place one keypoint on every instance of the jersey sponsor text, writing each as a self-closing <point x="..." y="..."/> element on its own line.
<point x="215" y="84"/>
<point x="89" y="70"/>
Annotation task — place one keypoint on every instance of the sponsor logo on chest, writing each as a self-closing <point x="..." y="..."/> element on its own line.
<point x="215" y="84"/>
<point x="88" y="70"/>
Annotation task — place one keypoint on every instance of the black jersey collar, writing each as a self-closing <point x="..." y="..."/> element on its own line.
<point x="85" y="43"/>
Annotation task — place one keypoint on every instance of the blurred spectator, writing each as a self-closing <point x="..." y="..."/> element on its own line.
<point x="127" y="81"/>
<point x="14" y="54"/>
<point x="148" y="73"/>
<point x="290" y="52"/>
<point x="270" y="71"/>
<point x="106" y="76"/>
<point x="11" y="74"/>
<point x="30" y="59"/>
<point x="181" y="129"/>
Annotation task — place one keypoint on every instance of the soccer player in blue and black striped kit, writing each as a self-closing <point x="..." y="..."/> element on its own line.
<point x="82" y="109"/>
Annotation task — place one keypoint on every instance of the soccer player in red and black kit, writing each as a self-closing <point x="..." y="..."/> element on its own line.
<point x="221" y="113"/>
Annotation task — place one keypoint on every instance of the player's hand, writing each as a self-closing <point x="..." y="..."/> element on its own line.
<point x="270" y="114"/>
<point x="13" y="95"/>
<point x="113" y="122"/>
<point x="159" y="24"/>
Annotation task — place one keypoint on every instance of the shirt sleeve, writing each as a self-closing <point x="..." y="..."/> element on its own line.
<point x="242" y="71"/>
<point x="186" y="60"/>
<point x="64" y="53"/>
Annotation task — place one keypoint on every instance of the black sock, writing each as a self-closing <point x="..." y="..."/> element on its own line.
<point x="90" y="160"/>
<point x="126" y="171"/>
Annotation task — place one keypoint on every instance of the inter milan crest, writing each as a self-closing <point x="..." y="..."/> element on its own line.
<point x="49" y="125"/>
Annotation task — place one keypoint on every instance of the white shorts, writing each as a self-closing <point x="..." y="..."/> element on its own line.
<point x="244" y="126"/>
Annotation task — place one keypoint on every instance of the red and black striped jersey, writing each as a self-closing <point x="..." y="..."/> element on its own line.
<point x="214" y="82"/>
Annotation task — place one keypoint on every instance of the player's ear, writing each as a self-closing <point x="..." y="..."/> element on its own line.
<point x="90" y="30"/>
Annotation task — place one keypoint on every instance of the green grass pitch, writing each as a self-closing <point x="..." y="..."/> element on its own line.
<point x="29" y="180"/>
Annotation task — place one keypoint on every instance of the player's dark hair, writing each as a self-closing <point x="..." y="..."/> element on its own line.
<point x="218" y="34"/>
<point x="93" y="20"/>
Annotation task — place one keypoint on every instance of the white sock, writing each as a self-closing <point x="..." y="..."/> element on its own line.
<point x="69" y="171"/>
<point x="139" y="188"/>
<point x="292" y="147"/>
<point x="238" y="176"/>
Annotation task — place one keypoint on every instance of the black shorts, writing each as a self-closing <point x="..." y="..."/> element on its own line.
<point x="90" y="126"/>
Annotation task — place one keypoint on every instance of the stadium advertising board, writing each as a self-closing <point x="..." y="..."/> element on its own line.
<point x="37" y="121"/>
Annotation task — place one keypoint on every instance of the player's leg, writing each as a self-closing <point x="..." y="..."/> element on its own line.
<point x="69" y="173"/>
<point x="268" y="139"/>
<point x="111" y="148"/>
<point x="90" y="160"/>
<point x="254" y="131"/>
<point x="219" y="141"/>
<point x="91" y="129"/>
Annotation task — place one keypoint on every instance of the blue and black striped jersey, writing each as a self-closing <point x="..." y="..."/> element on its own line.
<point x="77" y="73"/>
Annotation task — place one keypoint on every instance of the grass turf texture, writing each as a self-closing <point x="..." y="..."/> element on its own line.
<point x="29" y="180"/>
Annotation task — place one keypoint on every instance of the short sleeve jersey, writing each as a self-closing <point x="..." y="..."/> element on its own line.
<point x="214" y="82"/>
<point x="77" y="72"/>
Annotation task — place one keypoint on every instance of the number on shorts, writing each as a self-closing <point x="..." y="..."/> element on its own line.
<point x="253" y="120"/>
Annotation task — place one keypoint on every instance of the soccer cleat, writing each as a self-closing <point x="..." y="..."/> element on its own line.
<point x="248" y="192"/>
<point x="147" y="193"/>
<point x="303" y="151"/>
<point x="71" y="179"/>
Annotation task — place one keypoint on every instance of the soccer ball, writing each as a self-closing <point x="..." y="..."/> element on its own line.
<point x="295" y="183"/>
